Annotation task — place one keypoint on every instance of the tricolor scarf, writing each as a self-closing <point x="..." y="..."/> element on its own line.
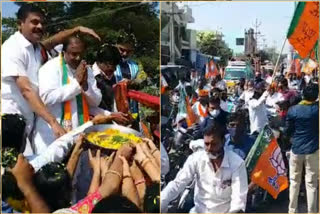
<point x="82" y="106"/>
<point x="202" y="114"/>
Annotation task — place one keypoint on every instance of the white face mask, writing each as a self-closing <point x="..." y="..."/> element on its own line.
<point x="215" y="156"/>
<point x="214" y="112"/>
<point x="232" y="131"/>
<point x="212" y="157"/>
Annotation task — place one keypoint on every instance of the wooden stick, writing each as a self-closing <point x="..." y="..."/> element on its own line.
<point x="276" y="66"/>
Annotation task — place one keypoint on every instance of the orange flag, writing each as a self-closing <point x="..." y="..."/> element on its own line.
<point x="145" y="130"/>
<point x="304" y="28"/>
<point x="191" y="116"/>
<point x="265" y="164"/>
<point x="212" y="70"/>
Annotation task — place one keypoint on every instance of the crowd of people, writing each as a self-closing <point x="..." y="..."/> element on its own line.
<point x="230" y="120"/>
<point x="50" y="95"/>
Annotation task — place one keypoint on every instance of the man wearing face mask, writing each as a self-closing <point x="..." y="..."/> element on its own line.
<point x="216" y="114"/>
<point x="239" y="141"/>
<point x="200" y="107"/>
<point x="68" y="90"/>
<point x="257" y="109"/>
<point x="220" y="175"/>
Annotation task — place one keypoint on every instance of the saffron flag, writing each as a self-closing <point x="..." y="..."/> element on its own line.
<point x="265" y="164"/>
<point x="304" y="28"/>
<point x="184" y="109"/>
<point x="164" y="85"/>
<point x="295" y="67"/>
<point x="191" y="116"/>
<point x="212" y="70"/>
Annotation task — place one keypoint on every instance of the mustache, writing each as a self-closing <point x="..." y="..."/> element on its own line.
<point x="38" y="31"/>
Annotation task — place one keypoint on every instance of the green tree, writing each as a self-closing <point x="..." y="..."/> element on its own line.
<point x="212" y="44"/>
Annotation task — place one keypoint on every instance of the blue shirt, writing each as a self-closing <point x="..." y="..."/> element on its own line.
<point x="242" y="147"/>
<point x="302" y="125"/>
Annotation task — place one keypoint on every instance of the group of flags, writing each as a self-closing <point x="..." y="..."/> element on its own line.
<point x="265" y="161"/>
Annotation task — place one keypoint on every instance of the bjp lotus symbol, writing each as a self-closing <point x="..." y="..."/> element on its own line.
<point x="278" y="164"/>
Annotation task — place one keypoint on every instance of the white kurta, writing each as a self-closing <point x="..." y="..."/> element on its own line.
<point x="258" y="113"/>
<point x="271" y="102"/>
<point x="53" y="94"/>
<point x="221" y="191"/>
<point x="246" y="96"/>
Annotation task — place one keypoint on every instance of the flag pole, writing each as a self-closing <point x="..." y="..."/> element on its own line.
<point x="277" y="63"/>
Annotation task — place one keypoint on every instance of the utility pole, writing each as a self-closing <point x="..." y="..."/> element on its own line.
<point x="256" y="25"/>
<point x="172" y="33"/>
<point x="172" y="38"/>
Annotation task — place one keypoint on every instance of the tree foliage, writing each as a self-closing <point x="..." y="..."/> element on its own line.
<point x="212" y="44"/>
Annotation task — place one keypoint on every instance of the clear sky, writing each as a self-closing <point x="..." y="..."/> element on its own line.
<point x="9" y="9"/>
<point x="232" y="18"/>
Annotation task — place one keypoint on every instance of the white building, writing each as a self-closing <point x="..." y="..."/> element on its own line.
<point x="184" y="45"/>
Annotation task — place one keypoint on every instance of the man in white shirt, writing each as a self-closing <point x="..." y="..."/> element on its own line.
<point x="57" y="93"/>
<point x="221" y="84"/>
<point x="273" y="98"/>
<point x="257" y="109"/>
<point x="247" y="93"/>
<point x="220" y="176"/>
<point x="23" y="54"/>
<point x="293" y="83"/>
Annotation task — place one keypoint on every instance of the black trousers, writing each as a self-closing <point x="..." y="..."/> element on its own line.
<point x="13" y="131"/>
